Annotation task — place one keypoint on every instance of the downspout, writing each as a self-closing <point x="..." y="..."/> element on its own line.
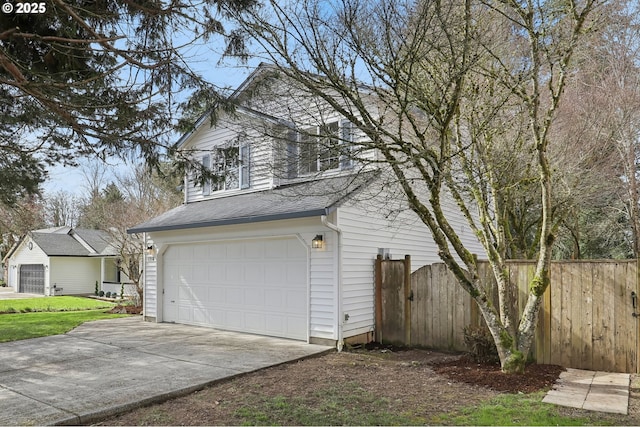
<point x="326" y="223"/>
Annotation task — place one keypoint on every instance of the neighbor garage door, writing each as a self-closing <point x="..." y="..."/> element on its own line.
<point x="32" y="278"/>
<point x="257" y="286"/>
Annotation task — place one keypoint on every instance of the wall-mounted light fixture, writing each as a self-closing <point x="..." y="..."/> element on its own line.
<point x="151" y="251"/>
<point x="317" y="242"/>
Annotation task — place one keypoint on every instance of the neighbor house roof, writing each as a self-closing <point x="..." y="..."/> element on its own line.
<point x="286" y="202"/>
<point x="97" y="239"/>
<point x="60" y="241"/>
<point x="54" y="244"/>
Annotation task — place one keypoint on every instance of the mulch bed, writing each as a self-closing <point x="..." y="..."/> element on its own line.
<point x="466" y="370"/>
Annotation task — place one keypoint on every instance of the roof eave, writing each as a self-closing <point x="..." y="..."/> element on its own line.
<point x="233" y="221"/>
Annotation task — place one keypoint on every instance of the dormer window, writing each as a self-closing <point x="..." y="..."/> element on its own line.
<point x="230" y="166"/>
<point x="325" y="148"/>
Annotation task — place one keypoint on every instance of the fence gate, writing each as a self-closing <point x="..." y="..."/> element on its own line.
<point x="393" y="301"/>
<point x="590" y="316"/>
<point x="32" y="278"/>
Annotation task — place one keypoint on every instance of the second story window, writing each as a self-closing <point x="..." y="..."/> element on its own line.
<point x="230" y="166"/>
<point x="323" y="148"/>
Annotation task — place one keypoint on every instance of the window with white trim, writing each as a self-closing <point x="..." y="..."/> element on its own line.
<point x="230" y="168"/>
<point x="326" y="147"/>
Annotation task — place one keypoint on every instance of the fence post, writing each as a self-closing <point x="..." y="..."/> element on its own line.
<point x="408" y="299"/>
<point x="636" y="318"/>
<point x="378" y="297"/>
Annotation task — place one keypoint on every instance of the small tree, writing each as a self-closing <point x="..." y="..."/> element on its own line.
<point x="131" y="199"/>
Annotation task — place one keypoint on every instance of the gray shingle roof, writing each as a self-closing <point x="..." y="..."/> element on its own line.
<point x="54" y="244"/>
<point x="63" y="244"/>
<point x="97" y="239"/>
<point x="293" y="201"/>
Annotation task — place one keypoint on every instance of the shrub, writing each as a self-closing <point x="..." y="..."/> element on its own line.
<point x="108" y="294"/>
<point x="96" y="291"/>
<point x="101" y="293"/>
<point x="481" y="345"/>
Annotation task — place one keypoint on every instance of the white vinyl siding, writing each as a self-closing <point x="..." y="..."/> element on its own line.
<point x="323" y="298"/>
<point x="364" y="233"/>
<point x="76" y="275"/>
<point x="150" y="278"/>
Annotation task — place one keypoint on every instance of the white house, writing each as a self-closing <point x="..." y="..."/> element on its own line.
<point x="279" y="247"/>
<point x="62" y="261"/>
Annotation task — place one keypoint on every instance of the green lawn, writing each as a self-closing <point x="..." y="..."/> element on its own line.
<point x="28" y="305"/>
<point x="21" y="326"/>
<point x="515" y="410"/>
<point x="40" y="317"/>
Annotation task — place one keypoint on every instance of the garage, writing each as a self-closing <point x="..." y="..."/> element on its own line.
<point x="32" y="279"/>
<point x="251" y="285"/>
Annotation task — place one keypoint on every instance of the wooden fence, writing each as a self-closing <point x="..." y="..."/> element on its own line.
<point x="587" y="319"/>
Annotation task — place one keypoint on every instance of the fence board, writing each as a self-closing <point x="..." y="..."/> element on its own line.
<point x="628" y="331"/>
<point x="555" y="289"/>
<point x="609" y="318"/>
<point x="418" y="316"/>
<point x="585" y="318"/>
<point x="598" y="320"/>
<point x="618" y="301"/>
<point x="574" y="354"/>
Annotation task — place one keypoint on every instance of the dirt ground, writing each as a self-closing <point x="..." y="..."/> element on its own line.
<point x="419" y="383"/>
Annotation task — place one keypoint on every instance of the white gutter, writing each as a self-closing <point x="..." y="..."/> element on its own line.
<point x="326" y="223"/>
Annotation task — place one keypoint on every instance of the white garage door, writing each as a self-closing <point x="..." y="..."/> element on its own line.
<point x="257" y="286"/>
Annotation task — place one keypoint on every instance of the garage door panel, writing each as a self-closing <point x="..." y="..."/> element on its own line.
<point x="216" y="317"/>
<point x="235" y="296"/>
<point x="255" y="251"/>
<point x="216" y="294"/>
<point x="254" y="297"/>
<point x="201" y="275"/>
<point x="185" y="252"/>
<point x="200" y="315"/>
<point x="257" y="286"/>
<point x="256" y="274"/>
<point x="234" y="319"/>
<point x="297" y="300"/>
<point x="235" y="251"/>
<point x="254" y="321"/>
<point x="293" y="250"/>
<point x="274" y="299"/>
<point x="274" y="274"/>
<point x="234" y="274"/>
<point x="295" y="326"/>
<point x="275" y="325"/>
<point x="184" y="314"/>
<point x="216" y="271"/>
<point x="277" y="249"/>
<point x="294" y="271"/>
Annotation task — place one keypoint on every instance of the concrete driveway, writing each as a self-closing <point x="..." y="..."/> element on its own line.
<point x="108" y="366"/>
<point x="8" y="293"/>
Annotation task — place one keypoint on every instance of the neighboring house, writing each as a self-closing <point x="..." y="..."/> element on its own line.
<point x="63" y="261"/>
<point x="285" y="244"/>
